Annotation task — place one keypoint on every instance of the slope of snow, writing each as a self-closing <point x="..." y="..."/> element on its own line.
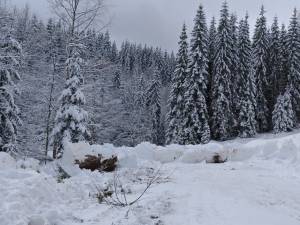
<point x="260" y="184"/>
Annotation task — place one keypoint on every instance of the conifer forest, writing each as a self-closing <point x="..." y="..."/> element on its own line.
<point x="94" y="130"/>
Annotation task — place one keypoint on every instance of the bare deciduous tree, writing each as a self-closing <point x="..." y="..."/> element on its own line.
<point x="79" y="15"/>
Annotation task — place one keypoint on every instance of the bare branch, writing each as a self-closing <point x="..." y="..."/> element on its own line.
<point x="113" y="197"/>
<point x="78" y="15"/>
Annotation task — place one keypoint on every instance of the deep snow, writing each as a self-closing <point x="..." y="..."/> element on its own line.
<point x="260" y="184"/>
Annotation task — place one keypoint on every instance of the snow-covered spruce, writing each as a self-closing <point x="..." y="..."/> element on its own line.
<point x="284" y="57"/>
<point x="283" y="114"/>
<point x="212" y="41"/>
<point x="117" y="79"/>
<point x="246" y="90"/>
<point x="153" y="104"/>
<point x="260" y="63"/>
<point x="274" y="65"/>
<point x="235" y="76"/>
<point x="176" y="99"/>
<point x="195" y="128"/>
<point x="10" y="56"/>
<point x="71" y="118"/>
<point x="222" y="119"/>
<point x="293" y="44"/>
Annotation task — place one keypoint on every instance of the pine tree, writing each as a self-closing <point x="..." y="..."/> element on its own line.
<point x="50" y="34"/>
<point x="10" y="51"/>
<point x="114" y="53"/>
<point x="199" y="49"/>
<point x="176" y="99"/>
<point x="293" y="44"/>
<point x="71" y="118"/>
<point x="260" y="47"/>
<point x="165" y="75"/>
<point x="99" y="45"/>
<point x="235" y="76"/>
<point x="117" y="79"/>
<point x="153" y="104"/>
<point x="246" y="90"/>
<point x="90" y="43"/>
<point x="222" y="111"/>
<point x="195" y="114"/>
<point x="274" y="64"/>
<point x="284" y="55"/>
<point x="212" y="40"/>
<point x="283" y="115"/>
<point x="107" y="46"/>
<point x="35" y="45"/>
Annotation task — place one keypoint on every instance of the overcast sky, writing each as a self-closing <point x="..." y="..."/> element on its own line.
<point x="158" y="22"/>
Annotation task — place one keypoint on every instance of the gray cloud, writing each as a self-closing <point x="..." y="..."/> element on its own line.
<point x="158" y="22"/>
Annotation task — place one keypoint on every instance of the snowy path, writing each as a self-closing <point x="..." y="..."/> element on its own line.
<point x="235" y="193"/>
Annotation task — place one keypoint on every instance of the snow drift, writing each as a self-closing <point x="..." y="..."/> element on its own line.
<point x="280" y="148"/>
<point x="260" y="180"/>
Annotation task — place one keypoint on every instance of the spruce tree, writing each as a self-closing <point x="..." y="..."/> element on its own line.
<point x="90" y="43"/>
<point x="114" y="53"/>
<point x="293" y="44"/>
<point x="196" y="129"/>
<point x="284" y="55"/>
<point x="99" y="45"/>
<point x="10" y="51"/>
<point x="212" y="39"/>
<point x="117" y="79"/>
<point x="235" y="76"/>
<point x="71" y="118"/>
<point x="283" y="116"/>
<point x="246" y="90"/>
<point x="274" y="64"/>
<point x="176" y="99"/>
<point x="107" y="46"/>
<point x="153" y="104"/>
<point x="222" y="111"/>
<point x="260" y="62"/>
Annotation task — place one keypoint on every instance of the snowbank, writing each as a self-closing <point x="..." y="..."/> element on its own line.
<point x="280" y="148"/>
<point x="6" y="161"/>
<point x="254" y="183"/>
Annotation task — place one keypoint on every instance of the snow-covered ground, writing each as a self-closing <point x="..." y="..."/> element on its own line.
<point x="259" y="184"/>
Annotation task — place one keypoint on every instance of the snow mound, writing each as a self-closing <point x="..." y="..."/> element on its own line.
<point x="6" y="161"/>
<point x="257" y="185"/>
<point x="29" y="163"/>
<point x="280" y="148"/>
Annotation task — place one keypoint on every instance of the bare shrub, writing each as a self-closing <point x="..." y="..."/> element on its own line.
<point x="116" y="194"/>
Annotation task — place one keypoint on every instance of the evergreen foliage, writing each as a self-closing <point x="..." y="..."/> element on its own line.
<point x="293" y="44"/>
<point x="195" y="114"/>
<point x="71" y="118"/>
<point x="260" y="62"/>
<point x="246" y="90"/>
<point x="222" y="111"/>
<point x="177" y="98"/>
<point x="283" y="115"/>
<point x="10" y="59"/>
<point x="153" y="104"/>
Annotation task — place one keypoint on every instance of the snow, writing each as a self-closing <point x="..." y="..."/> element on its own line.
<point x="259" y="184"/>
<point x="6" y="161"/>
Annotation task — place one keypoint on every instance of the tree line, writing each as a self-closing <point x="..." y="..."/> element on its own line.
<point x="77" y="85"/>
<point x="226" y="85"/>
